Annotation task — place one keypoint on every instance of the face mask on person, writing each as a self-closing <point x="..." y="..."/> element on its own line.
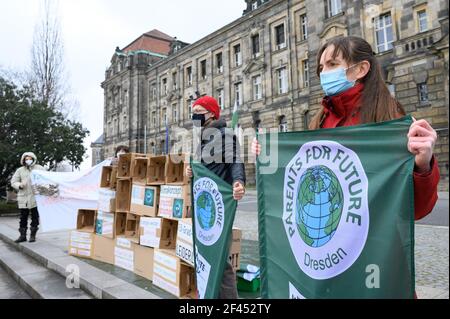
<point x="336" y="81"/>
<point x="28" y="162"/>
<point x="199" y="119"/>
<point x="120" y="153"/>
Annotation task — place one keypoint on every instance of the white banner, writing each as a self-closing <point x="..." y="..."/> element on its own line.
<point x="60" y="195"/>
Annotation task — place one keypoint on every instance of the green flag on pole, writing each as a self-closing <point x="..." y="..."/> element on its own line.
<point x="235" y="117"/>
<point x="336" y="217"/>
<point x="213" y="215"/>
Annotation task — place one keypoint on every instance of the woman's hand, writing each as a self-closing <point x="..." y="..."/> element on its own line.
<point x="421" y="140"/>
<point x="256" y="147"/>
<point x="188" y="171"/>
<point x="238" y="190"/>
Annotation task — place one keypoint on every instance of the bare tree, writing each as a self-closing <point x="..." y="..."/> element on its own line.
<point x="47" y="76"/>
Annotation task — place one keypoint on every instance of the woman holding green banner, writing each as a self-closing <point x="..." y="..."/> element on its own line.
<point x="356" y="93"/>
<point x="221" y="156"/>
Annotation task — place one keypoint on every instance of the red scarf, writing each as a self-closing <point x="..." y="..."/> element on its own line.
<point x="343" y="109"/>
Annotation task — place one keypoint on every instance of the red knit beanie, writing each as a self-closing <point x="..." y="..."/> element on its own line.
<point x="210" y="104"/>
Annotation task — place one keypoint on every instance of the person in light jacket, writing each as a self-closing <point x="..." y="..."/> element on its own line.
<point x="21" y="182"/>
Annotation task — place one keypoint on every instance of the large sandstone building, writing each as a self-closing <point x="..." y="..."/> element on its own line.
<point x="265" y="63"/>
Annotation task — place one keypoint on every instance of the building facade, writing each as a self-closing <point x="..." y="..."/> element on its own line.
<point x="265" y="62"/>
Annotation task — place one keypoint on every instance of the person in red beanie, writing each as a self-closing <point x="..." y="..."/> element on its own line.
<point x="224" y="160"/>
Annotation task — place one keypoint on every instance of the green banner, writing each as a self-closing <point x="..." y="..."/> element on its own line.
<point x="336" y="214"/>
<point x="213" y="215"/>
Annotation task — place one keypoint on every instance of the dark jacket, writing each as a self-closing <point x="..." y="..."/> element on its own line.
<point x="221" y="154"/>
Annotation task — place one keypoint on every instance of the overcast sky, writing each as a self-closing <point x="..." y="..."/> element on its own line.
<point x="92" y="29"/>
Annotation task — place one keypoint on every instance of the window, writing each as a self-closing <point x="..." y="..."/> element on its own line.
<point x="303" y="27"/>
<point x="423" y="93"/>
<point x="153" y="91"/>
<point x="280" y="39"/>
<point x="189" y="104"/>
<point x="220" y="98"/>
<point x="305" y="67"/>
<point x="257" y="91"/>
<point x="164" y="86"/>
<point x="391" y="88"/>
<point x="189" y="75"/>
<point x="237" y="55"/>
<point x="422" y="20"/>
<point x="203" y="69"/>
<point x="383" y="32"/>
<point x="219" y="63"/>
<point x="174" y="80"/>
<point x="154" y="119"/>
<point x="332" y="7"/>
<point x="255" y="45"/>
<point x="282" y="81"/>
<point x="238" y="93"/>
<point x="174" y="113"/>
<point x="282" y="124"/>
<point x="164" y="116"/>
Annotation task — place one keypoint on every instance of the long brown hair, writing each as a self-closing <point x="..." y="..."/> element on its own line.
<point x="377" y="103"/>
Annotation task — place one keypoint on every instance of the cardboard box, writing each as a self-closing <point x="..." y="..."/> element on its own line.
<point x="120" y="223"/>
<point x="236" y="239"/>
<point x="126" y="164"/>
<point x="176" y="165"/>
<point x="235" y="249"/>
<point x="123" y="195"/>
<point x="106" y="200"/>
<point x="124" y="253"/>
<point x="86" y="220"/>
<point x="103" y="249"/>
<point x="144" y="200"/>
<point x="132" y="228"/>
<point x="156" y="170"/>
<point x="139" y="172"/>
<point x="173" y="275"/>
<point x="109" y="176"/>
<point x="81" y="244"/>
<point x="175" y="201"/>
<point x="143" y="261"/>
<point x="104" y="224"/>
<point x="158" y="232"/>
<point x="184" y="247"/>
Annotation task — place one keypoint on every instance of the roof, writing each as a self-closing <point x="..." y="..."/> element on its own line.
<point x="99" y="140"/>
<point x="153" y="41"/>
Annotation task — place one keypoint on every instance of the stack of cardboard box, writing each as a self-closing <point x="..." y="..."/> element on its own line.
<point x="143" y="222"/>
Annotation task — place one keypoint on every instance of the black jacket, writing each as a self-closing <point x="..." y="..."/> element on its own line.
<point x="221" y="154"/>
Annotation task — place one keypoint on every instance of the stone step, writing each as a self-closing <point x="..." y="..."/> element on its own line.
<point x="96" y="282"/>
<point x="38" y="281"/>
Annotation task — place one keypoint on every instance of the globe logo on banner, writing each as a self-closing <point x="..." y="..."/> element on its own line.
<point x="208" y="210"/>
<point x="177" y="208"/>
<point x="149" y="195"/>
<point x="325" y="208"/>
<point x="319" y="206"/>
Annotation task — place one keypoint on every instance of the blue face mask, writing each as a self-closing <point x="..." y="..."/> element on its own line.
<point x="335" y="81"/>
